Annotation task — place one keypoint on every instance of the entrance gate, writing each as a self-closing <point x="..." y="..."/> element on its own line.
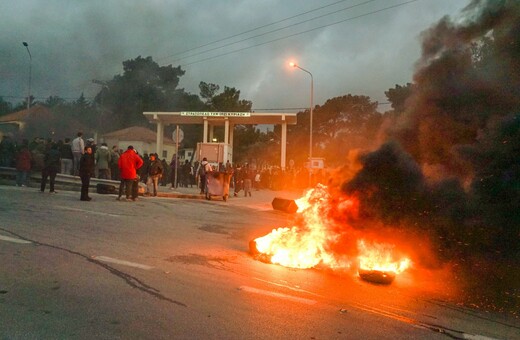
<point x="226" y="119"/>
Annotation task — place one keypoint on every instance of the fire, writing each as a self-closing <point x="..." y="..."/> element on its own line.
<point x="314" y="241"/>
<point x="380" y="257"/>
<point x="305" y="246"/>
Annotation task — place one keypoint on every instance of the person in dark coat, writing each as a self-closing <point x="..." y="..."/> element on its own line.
<point x="87" y="165"/>
<point x="155" y="172"/>
<point x="52" y="164"/>
<point x="67" y="158"/>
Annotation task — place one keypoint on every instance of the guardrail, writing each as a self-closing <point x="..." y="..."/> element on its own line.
<point x="63" y="182"/>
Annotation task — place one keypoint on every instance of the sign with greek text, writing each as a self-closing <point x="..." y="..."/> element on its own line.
<point x="215" y="114"/>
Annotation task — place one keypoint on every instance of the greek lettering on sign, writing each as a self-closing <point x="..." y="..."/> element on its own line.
<point x="215" y="114"/>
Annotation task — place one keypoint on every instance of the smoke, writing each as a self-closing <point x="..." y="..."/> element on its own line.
<point x="449" y="166"/>
<point x="469" y="73"/>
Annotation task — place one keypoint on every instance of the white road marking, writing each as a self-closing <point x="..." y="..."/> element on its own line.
<point x="90" y="211"/>
<point x="122" y="262"/>
<point x="288" y="287"/>
<point x="14" y="240"/>
<point x="476" y="337"/>
<point x="277" y="295"/>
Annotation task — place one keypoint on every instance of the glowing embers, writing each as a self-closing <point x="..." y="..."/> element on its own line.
<point x="318" y="241"/>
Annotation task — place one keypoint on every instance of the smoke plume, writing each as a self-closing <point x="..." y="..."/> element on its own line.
<point x="461" y="121"/>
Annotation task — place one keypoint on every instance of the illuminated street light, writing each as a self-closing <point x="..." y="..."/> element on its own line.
<point x="30" y="74"/>
<point x="310" y="123"/>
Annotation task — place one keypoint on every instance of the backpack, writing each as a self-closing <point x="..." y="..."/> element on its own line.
<point x="202" y="170"/>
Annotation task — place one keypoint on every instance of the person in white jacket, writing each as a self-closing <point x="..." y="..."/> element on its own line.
<point x="78" y="148"/>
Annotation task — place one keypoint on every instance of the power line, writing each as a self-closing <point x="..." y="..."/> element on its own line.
<point x="263" y="26"/>
<point x="302" y="32"/>
<point x="263" y="34"/>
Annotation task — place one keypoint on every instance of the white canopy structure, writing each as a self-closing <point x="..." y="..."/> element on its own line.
<point x="226" y="119"/>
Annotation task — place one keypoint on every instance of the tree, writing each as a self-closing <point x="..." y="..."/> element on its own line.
<point x="207" y="92"/>
<point x="54" y="101"/>
<point x="342" y="123"/>
<point x="346" y="114"/>
<point x="248" y="144"/>
<point x="398" y="96"/>
<point x="143" y="86"/>
<point x="229" y="101"/>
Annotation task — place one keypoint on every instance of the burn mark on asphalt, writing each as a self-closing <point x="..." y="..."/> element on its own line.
<point x="132" y="281"/>
<point x="216" y="229"/>
<point x="201" y="260"/>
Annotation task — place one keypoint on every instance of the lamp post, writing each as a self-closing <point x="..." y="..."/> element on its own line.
<point x="310" y="120"/>
<point x="30" y="74"/>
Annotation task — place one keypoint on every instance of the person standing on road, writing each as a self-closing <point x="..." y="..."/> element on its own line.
<point x="52" y="164"/>
<point x="87" y="165"/>
<point x="166" y="173"/>
<point x="103" y="158"/>
<point x="239" y="179"/>
<point x="114" y="163"/>
<point x="23" y="165"/>
<point x="247" y="177"/>
<point x="202" y="172"/>
<point x="129" y="163"/>
<point x="78" y="148"/>
<point x="155" y="172"/>
<point x="67" y="158"/>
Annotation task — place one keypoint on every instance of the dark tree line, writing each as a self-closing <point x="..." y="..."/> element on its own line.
<point x="341" y="123"/>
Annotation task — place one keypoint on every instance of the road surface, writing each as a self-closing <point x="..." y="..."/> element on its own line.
<point x="166" y="268"/>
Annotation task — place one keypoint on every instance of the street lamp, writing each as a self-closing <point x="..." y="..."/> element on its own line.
<point x="30" y="73"/>
<point x="310" y="123"/>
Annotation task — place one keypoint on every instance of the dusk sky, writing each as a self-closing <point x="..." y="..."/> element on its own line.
<point x="353" y="46"/>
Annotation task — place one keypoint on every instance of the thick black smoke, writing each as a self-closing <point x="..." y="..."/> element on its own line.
<point x="463" y="120"/>
<point x="392" y="190"/>
<point x="469" y="74"/>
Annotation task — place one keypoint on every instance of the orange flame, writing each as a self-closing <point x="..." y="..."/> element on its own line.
<point x="306" y="246"/>
<point x="310" y="243"/>
<point x="380" y="257"/>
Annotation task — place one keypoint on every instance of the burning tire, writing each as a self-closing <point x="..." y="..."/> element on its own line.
<point x="377" y="276"/>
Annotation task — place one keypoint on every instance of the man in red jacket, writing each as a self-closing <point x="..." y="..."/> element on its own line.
<point x="129" y="163"/>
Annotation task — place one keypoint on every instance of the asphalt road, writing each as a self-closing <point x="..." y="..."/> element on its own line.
<point x="169" y="268"/>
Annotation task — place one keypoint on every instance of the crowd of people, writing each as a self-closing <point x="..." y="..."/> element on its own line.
<point x="83" y="158"/>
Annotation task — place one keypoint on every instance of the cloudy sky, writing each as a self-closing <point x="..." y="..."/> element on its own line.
<point x="353" y="46"/>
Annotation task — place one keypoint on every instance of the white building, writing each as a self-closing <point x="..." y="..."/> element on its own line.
<point x="142" y="139"/>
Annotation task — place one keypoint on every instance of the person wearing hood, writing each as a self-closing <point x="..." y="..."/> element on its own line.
<point x="103" y="158"/>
